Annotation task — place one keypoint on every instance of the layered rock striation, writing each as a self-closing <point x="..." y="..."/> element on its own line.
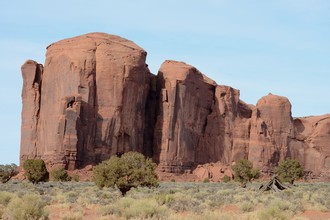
<point x="95" y="97"/>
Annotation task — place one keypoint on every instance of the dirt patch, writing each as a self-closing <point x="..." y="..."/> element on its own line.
<point x="58" y="211"/>
<point x="315" y="215"/>
<point x="231" y="208"/>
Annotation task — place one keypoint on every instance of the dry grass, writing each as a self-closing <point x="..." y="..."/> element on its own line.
<point x="83" y="200"/>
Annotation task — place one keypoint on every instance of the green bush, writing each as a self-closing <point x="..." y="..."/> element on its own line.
<point x="130" y="170"/>
<point x="226" y="179"/>
<point x="289" y="170"/>
<point x="36" y="171"/>
<point x="244" y="171"/>
<point x="60" y="175"/>
<point x="75" y="177"/>
<point x="7" y="172"/>
<point x="206" y="180"/>
<point x="30" y="206"/>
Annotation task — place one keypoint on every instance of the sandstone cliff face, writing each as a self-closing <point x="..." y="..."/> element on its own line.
<point x="271" y="129"/>
<point x="95" y="97"/>
<point x="311" y="143"/>
<point x="186" y="99"/>
<point x="227" y="132"/>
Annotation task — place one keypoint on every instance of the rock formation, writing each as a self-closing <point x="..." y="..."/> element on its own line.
<point x="96" y="97"/>
<point x="32" y="77"/>
<point x="92" y="101"/>
<point x="186" y="99"/>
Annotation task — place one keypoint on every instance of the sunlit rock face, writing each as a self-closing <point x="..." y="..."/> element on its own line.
<point x="95" y="97"/>
<point x="91" y="101"/>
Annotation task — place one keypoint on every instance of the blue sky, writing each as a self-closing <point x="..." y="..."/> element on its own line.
<point x="257" y="46"/>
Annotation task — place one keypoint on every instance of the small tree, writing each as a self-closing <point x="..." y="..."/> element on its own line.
<point x="244" y="172"/>
<point x="130" y="170"/>
<point x="289" y="170"/>
<point x="7" y="172"/>
<point x="35" y="170"/>
<point x="60" y="174"/>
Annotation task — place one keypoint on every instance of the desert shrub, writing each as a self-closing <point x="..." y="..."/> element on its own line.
<point x="271" y="213"/>
<point x="75" y="177"/>
<point x="182" y="203"/>
<point x="36" y="171"/>
<point x="244" y="172"/>
<point x="60" y="174"/>
<point x="222" y="197"/>
<point x="289" y="170"/>
<point x="163" y="198"/>
<point x="142" y="209"/>
<point x="72" y="216"/>
<point x="5" y="198"/>
<point x="110" y="210"/>
<point x="2" y="210"/>
<point x="226" y="179"/>
<point x="206" y="180"/>
<point x="30" y="206"/>
<point x="321" y="201"/>
<point x="289" y="205"/>
<point x="130" y="170"/>
<point x="247" y="207"/>
<point x="216" y="215"/>
<point x="71" y="197"/>
<point x="73" y="213"/>
<point x="7" y="172"/>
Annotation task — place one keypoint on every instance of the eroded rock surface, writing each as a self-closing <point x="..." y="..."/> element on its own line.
<point x="186" y="99"/>
<point x="271" y="130"/>
<point x="32" y="77"/>
<point x="310" y="144"/>
<point x="96" y="97"/>
<point x="92" y="100"/>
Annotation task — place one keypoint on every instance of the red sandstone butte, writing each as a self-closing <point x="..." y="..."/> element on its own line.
<point x="92" y="101"/>
<point x="95" y="97"/>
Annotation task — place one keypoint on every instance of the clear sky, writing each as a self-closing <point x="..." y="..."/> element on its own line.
<point x="256" y="46"/>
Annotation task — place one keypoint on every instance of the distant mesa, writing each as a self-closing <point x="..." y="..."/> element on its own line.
<point x="95" y="97"/>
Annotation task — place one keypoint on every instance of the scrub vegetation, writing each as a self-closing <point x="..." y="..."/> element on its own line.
<point x="171" y="200"/>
